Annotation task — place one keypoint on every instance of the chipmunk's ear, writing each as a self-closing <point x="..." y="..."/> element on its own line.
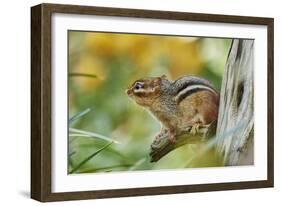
<point x="156" y="85"/>
<point x="156" y="81"/>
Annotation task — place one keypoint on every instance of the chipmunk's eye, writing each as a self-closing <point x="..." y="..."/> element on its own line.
<point x="138" y="85"/>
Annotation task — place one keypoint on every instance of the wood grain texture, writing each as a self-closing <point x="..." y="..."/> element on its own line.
<point x="270" y="102"/>
<point x="41" y="101"/>
<point x="236" y="113"/>
<point x="36" y="153"/>
<point x="156" y="14"/>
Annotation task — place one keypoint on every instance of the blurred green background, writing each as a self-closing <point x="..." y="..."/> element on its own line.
<point x="101" y="67"/>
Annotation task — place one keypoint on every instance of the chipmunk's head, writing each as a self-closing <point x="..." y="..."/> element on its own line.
<point x="145" y="91"/>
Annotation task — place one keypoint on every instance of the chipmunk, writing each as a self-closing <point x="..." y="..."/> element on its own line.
<point x="186" y="102"/>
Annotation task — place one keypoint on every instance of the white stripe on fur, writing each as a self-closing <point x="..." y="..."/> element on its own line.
<point x="193" y="87"/>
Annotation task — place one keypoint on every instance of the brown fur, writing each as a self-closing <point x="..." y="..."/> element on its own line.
<point x="198" y="108"/>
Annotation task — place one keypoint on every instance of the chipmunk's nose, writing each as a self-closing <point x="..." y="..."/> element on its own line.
<point x="128" y="91"/>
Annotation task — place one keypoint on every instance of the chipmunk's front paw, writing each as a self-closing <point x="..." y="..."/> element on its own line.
<point x="166" y="133"/>
<point x="162" y="133"/>
<point x="158" y="136"/>
<point x="172" y="137"/>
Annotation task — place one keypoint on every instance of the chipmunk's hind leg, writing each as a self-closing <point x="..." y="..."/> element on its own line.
<point x="196" y="123"/>
<point x="195" y="128"/>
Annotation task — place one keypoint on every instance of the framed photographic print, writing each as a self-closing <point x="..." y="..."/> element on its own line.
<point x="130" y="102"/>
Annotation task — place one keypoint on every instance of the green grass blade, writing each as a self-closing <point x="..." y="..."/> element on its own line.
<point x="71" y="153"/>
<point x="137" y="164"/>
<point x="89" y="157"/>
<point x="78" y="135"/>
<point x="124" y="159"/>
<point x="79" y="115"/>
<point x="93" y="134"/>
<point x="82" y="75"/>
<point x="105" y="168"/>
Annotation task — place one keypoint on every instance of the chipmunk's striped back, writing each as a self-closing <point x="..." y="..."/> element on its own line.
<point x="189" y="85"/>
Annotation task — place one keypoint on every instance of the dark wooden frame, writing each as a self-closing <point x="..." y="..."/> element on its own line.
<point x="41" y="101"/>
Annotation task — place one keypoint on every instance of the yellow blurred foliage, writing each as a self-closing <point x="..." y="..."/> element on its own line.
<point x="180" y="54"/>
<point x="183" y="56"/>
<point x="89" y="65"/>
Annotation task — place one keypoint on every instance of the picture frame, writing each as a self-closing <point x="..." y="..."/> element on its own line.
<point x="43" y="89"/>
